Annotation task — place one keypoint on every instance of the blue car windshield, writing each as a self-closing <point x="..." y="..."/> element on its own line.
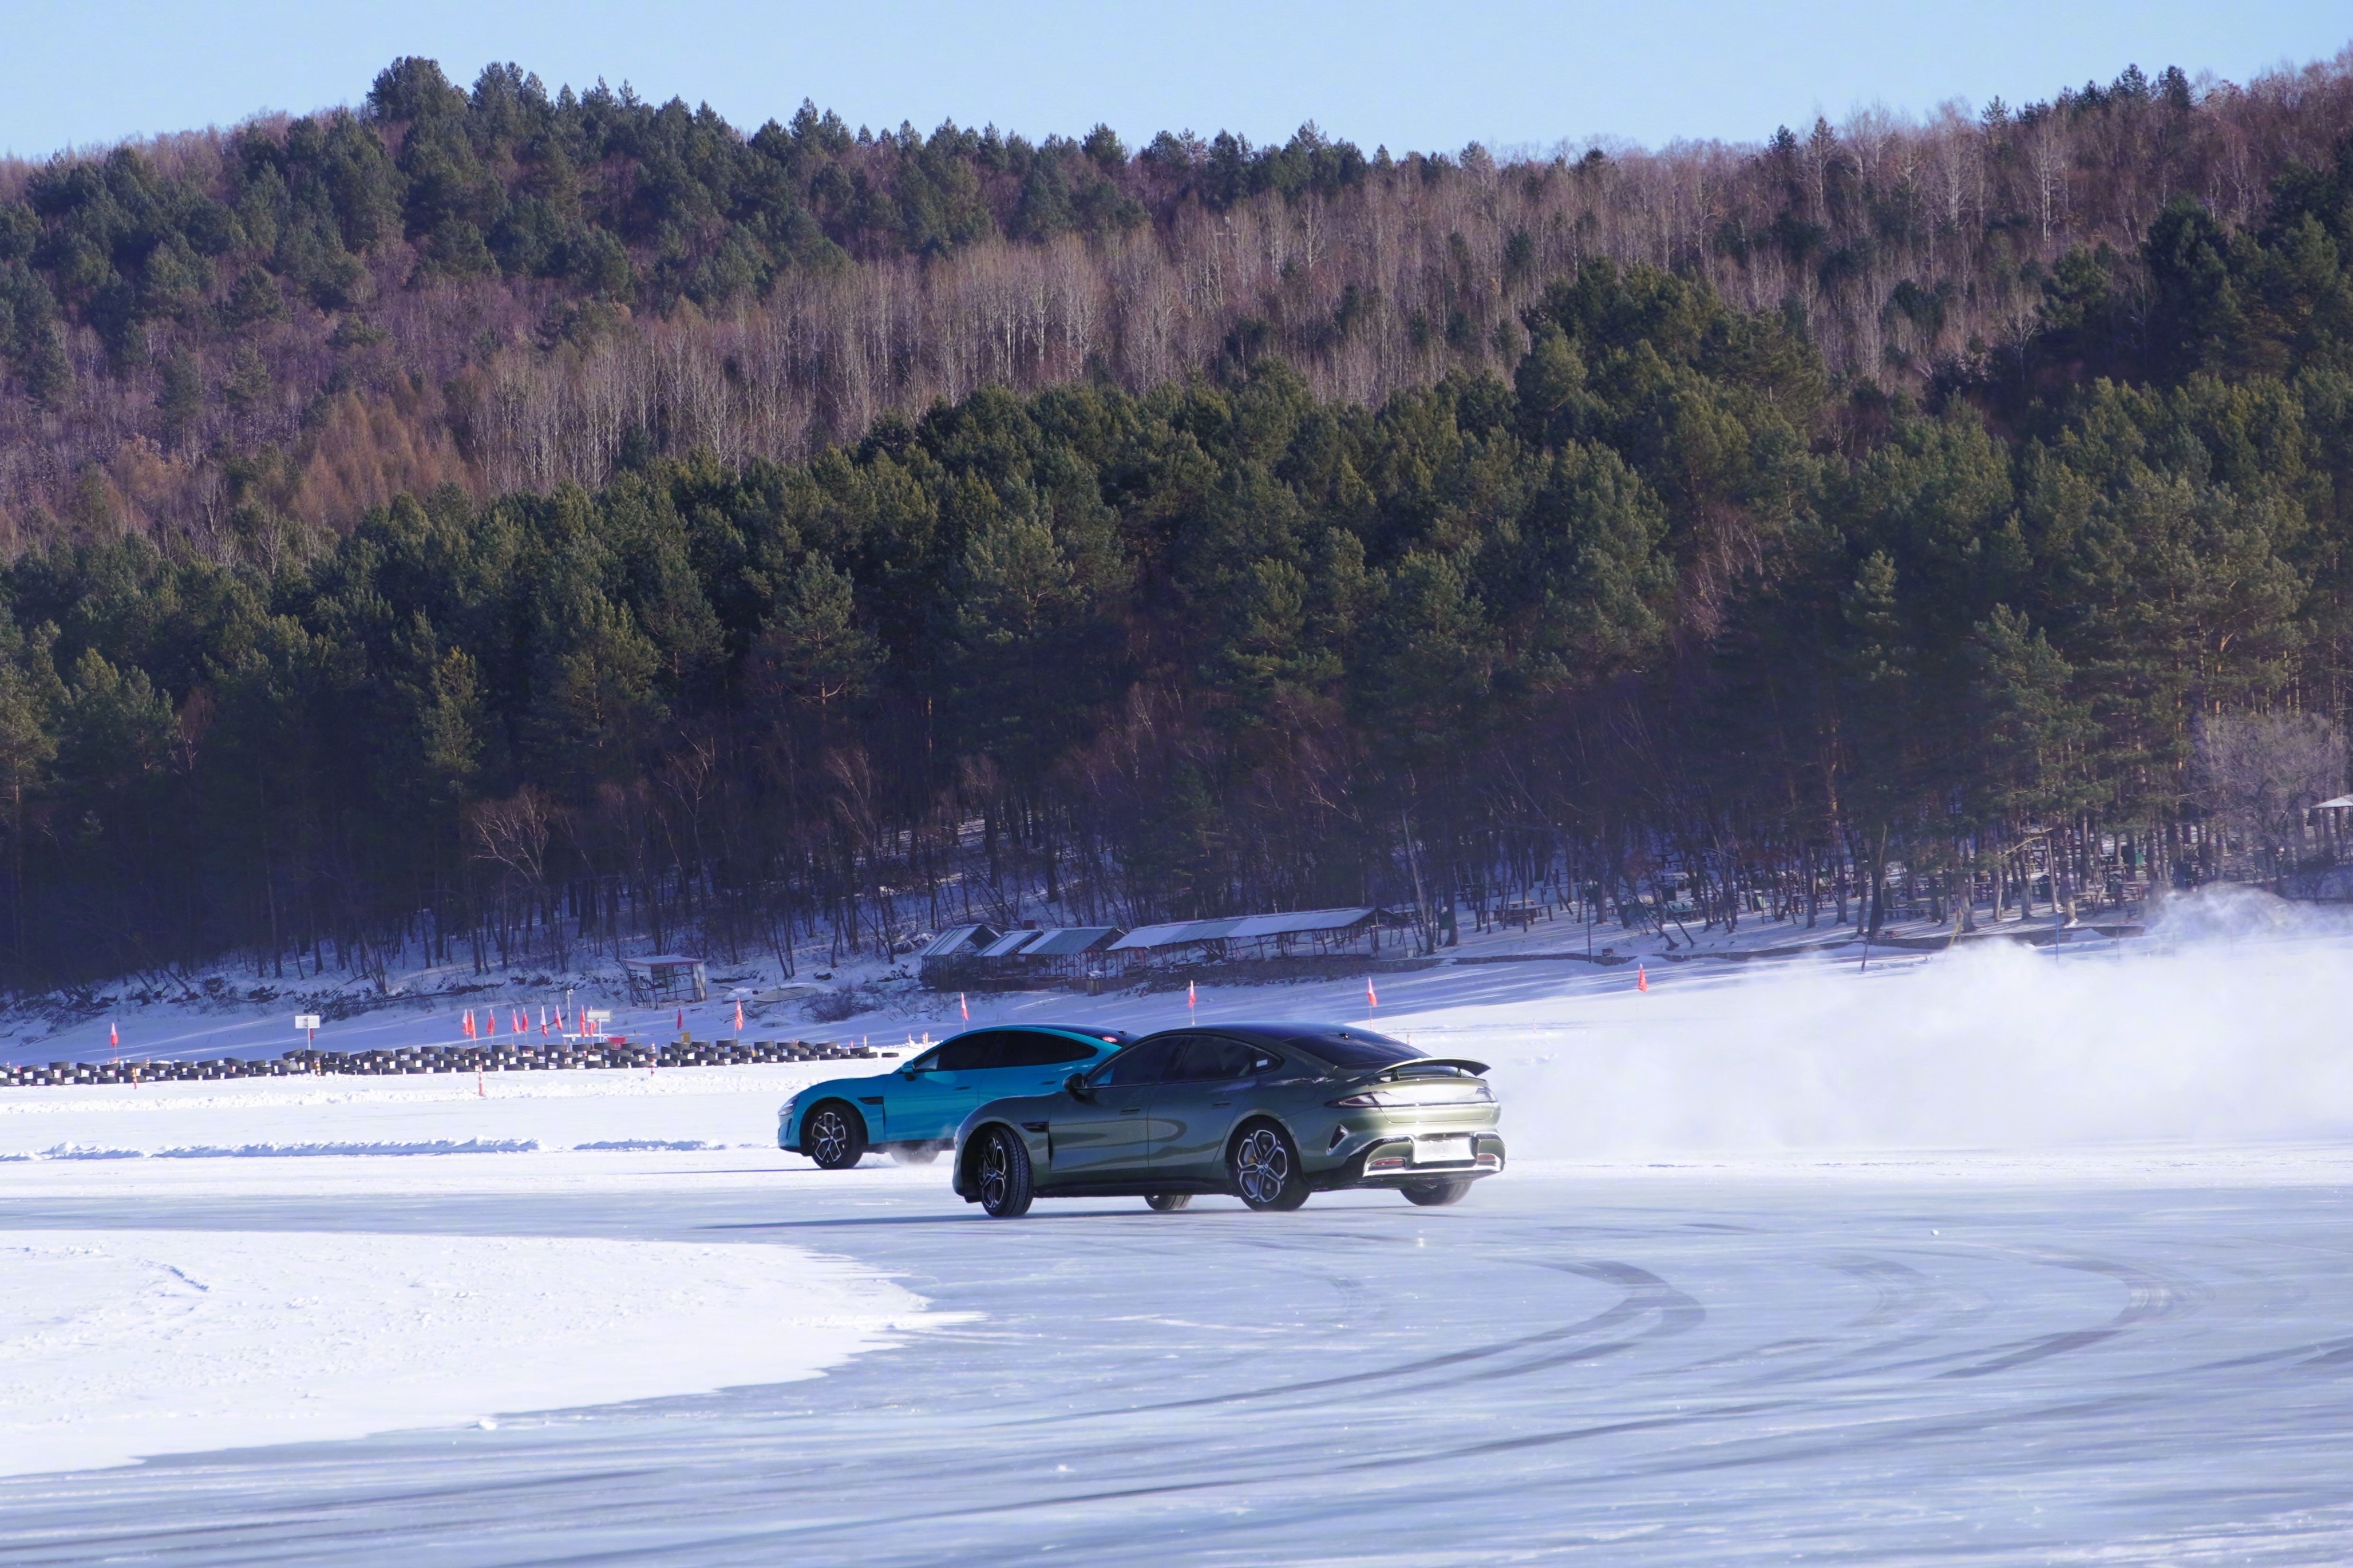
<point x="1357" y="1048"/>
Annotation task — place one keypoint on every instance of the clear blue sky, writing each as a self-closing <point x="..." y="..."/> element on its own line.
<point x="1428" y="76"/>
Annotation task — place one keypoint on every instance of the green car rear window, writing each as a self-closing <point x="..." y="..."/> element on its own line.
<point x="1356" y="1049"/>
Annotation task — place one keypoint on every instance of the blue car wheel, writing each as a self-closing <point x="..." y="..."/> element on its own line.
<point x="834" y="1135"/>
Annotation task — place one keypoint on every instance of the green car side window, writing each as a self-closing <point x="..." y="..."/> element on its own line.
<point x="1205" y="1059"/>
<point x="1145" y="1063"/>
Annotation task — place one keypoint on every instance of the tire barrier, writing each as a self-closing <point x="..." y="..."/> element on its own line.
<point x="569" y="1056"/>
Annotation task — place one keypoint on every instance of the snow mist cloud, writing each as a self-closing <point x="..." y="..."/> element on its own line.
<point x="2232" y="1022"/>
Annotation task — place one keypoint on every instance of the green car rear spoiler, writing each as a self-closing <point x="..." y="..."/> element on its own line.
<point x="1476" y="1070"/>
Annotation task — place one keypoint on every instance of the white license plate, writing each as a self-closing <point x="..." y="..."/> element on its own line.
<point x="1440" y="1150"/>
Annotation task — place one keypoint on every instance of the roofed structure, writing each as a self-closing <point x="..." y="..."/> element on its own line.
<point x="1303" y="922"/>
<point x="1008" y="945"/>
<point x="1321" y="928"/>
<point x="1069" y="942"/>
<point x="958" y="941"/>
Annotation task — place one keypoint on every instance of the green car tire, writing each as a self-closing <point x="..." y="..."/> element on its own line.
<point x="1265" y="1169"/>
<point x="1006" y="1184"/>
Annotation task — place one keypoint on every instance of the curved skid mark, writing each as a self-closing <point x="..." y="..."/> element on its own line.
<point x="2033" y="1350"/>
<point x="1610" y="1318"/>
<point x="1646" y="1292"/>
<point x="2148" y="1297"/>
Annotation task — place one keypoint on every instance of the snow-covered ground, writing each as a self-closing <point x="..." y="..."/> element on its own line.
<point x="2124" y="1357"/>
<point x="1994" y="1047"/>
<point x="606" y="1111"/>
<point x="119" y="1343"/>
<point x="233" y="1011"/>
<point x="1996" y="1255"/>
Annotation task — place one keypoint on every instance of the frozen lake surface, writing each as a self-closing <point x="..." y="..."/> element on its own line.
<point x="2143" y="1359"/>
<point x="1693" y="1324"/>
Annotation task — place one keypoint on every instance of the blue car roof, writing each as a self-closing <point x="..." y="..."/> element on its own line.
<point x="1107" y="1037"/>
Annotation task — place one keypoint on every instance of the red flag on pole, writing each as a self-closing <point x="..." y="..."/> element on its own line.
<point x="681" y="1020"/>
<point x="1642" y="979"/>
<point x="739" y="1015"/>
<point x="963" y="1008"/>
<point x="489" y="1020"/>
<point x="113" y="1038"/>
<point x="470" y="1022"/>
<point x="1370" y="1000"/>
<point x="1189" y="1000"/>
<point x="522" y="1024"/>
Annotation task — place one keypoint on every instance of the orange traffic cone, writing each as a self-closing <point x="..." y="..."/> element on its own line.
<point x="1641" y="980"/>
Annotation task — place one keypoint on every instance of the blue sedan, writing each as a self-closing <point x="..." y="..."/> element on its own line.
<point x="913" y="1110"/>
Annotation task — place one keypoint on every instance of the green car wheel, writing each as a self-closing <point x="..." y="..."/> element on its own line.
<point x="1265" y="1170"/>
<point x="1006" y="1186"/>
<point x="1435" y="1194"/>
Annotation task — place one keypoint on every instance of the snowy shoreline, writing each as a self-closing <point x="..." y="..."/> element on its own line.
<point x="118" y="1345"/>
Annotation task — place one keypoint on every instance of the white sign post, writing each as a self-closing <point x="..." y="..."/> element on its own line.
<point x="309" y="1024"/>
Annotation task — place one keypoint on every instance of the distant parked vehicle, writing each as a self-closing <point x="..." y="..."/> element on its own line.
<point x="912" y="1109"/>
<point x="1266" y="1112"/>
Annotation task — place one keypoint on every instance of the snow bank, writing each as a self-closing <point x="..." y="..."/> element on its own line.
<point x="272" y="1151"/>
<point x="674" y="1109"/>
<point x="119" y="1344"/>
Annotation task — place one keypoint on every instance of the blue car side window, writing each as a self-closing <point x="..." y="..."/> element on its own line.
<point x="1042" y="1050"/>
<point x="973" y="1053"/>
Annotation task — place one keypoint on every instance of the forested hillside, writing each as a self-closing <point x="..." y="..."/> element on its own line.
<point x="1377" y="529"/>
<point x="502" y="289"/>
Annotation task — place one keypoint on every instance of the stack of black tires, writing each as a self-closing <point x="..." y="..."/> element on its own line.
<point x="514" y="1054"/>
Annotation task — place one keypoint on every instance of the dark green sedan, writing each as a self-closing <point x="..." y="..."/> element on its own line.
<point x="1266" y="1112"/>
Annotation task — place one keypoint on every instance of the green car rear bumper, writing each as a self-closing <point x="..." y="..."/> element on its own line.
<point x="1396" y="1160"/>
